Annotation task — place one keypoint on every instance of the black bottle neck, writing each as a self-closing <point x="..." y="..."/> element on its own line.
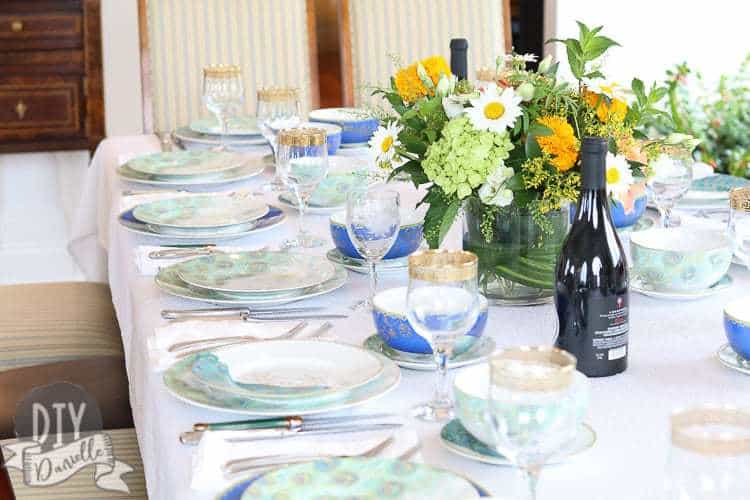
<point x="593" y="158"/>
<point x="459" y="64"/>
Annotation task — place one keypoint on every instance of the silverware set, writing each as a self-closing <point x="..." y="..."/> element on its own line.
<point x="250" y="315"/>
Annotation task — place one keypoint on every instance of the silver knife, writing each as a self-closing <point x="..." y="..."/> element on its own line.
<point x="194" y="437"/>
<point x="233" y="312"/>
<point x="175" y="253"/>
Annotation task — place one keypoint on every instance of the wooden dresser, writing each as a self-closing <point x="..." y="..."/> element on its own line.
<point x="51" y="94"/>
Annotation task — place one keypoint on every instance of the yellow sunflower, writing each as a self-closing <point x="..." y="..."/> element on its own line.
<point x="561" y="144"/>
<point x="615" y="110"/>
<point x="408" y="84"/>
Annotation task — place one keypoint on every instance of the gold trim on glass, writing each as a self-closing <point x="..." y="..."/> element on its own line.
<point x="739" y="199"/>
<point x="556" y="373"/>
<point x="716" y="441"/>
<point x="302" y="137"/>
<point x="441" y="266"/>
<point x="278" y="94"/>
<point x="222" y="71"/>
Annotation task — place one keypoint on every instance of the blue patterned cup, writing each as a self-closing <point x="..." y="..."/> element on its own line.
<point x="389" y="313"/>
<point x="621" y="218"/>
<point x="333" y="135"/>
<point x="357" y="125"/>
<point x="471" y="400"/>
<point x="407" y="242"/>
<point x="737" y="326"/>
<point x="680" y="259"/>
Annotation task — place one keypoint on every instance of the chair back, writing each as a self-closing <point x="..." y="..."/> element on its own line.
<point x="374" y="32"/>
<point x="273" y="42"/>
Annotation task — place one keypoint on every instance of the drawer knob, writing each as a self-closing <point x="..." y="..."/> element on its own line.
<point x="21" y="109"/>
<point x="16" y="26"/>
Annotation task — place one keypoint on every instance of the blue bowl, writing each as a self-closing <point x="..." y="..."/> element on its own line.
<point x="357" y="125"/>
<point x="389" y="313"/>
<point x="407" y="242"/>
<point x="622" y="219"/>
<point x="737" y="326"/>
<point x="333" y="135"/>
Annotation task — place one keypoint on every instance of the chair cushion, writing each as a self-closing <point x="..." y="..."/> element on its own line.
<point x="50" y="322"/>
<point x="81" y="485"/>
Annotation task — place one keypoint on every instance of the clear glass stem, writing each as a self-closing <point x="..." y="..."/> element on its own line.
<point x="666" y="215"/>
<point x="373" y="280"/>
<point x="302" y="206"/>
<point x="224" y="120"/>
<point x="442" y="395"/>
<point x="531" y="477"/>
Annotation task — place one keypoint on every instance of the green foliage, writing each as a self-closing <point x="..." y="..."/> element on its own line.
<point x="439" y="216"/>
<point x="588" y="47"/>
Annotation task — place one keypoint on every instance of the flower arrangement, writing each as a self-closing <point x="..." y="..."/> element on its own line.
<point x="512" y="145"/>
<point x="514" y="141"/>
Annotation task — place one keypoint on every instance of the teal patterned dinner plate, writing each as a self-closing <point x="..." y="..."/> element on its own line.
<point x="237" y="125"/>
<point x="185" y="163"/>
<point x="168" y="280"/>
<point x="476" y="353"/>
<point x="256" y="272"/>
<point x="360" y="478"/>
<point x="188" y="138"/>
<point x="202" y="211"/>
<point x="250" y="168"/>
<point x="331" y="193"/>
<point x="719" y="183"/>
<point x="186" y="386"/>
<point x="457" y="439"/>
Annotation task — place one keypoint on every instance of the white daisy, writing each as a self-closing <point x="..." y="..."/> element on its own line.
<point x="495" y="111"/>
<point x="384" y="142"/>
<point x="619" y="176"/>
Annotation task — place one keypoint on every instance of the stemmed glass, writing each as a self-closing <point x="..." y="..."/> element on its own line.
<point x="710" y="454"/>
<point x="533" y="411"/>
<point x="373" y="220"/>
<point x="302" y="166"/>
<point x="739" y="223"/>
<point x="442" y="304"/>
<point x="223" y="94"/>
<point x="277" y="109"/>
<point x="668" y="182"/>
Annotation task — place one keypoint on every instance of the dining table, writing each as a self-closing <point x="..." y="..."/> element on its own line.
<point x="672" y="357"/>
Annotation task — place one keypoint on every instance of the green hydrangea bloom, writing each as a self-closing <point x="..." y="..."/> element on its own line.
<point x="463" y="157"/>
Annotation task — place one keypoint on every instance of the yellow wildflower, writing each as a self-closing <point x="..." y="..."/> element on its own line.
<point x="561" y="145"/>
<point x="615" y="110"/>
<point x="408" y="84"/>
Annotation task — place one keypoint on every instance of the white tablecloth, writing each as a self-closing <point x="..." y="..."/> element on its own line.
<point x="672" y="364"/>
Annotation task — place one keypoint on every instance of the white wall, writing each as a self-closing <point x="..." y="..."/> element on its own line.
<point x="656" y="34"/>
<point x="122" y="71"/>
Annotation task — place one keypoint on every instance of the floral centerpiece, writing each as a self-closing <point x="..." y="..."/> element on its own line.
<point x="507" y="153"/>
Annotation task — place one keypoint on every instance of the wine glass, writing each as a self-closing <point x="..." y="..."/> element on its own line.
<point x="223" y="94"/>
<point x="442" y="304"/>
<point x="668" y="182"/>
<point x="739" y="223"/>
<point x="534" y="405"/>
<point x="709" y="456"/>
<point x="277" y="109"/>
<point x="302" y="166"/>
<point x="373" y="220"/>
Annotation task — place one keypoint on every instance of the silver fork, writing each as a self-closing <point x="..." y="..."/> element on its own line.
<point x="217" y="342"/>
<point x="245" y="464"/>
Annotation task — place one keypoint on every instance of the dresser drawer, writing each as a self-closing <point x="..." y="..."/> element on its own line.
<point x="40" y="31"/>
<point x="43" y="108"/>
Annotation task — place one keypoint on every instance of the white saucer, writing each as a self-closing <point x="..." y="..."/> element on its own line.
<point x="732" y="360"/>
<point x="722" y="285"/>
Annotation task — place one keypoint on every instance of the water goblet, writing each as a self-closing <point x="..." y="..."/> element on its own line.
<point x="739" y="223"/>
<point x="533" y="411"/>
<point x="442" y="304"/>
<point x="709" y="457"/>
<point x="277" y="109"/>
<point x="668" y="182"/>
<point x="223" y="94"/>
<point x="302" y="166"/>
<point x="373" y="220"/>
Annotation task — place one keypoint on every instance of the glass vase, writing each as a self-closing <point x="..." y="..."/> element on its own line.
<point x="517" y="253"/>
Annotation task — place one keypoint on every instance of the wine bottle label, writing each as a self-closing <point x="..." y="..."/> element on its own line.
<point x="607" y="322"/>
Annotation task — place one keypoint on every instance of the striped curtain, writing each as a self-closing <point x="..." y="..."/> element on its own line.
<point x="267" y="38"/>
<point x="408" y="30"/>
